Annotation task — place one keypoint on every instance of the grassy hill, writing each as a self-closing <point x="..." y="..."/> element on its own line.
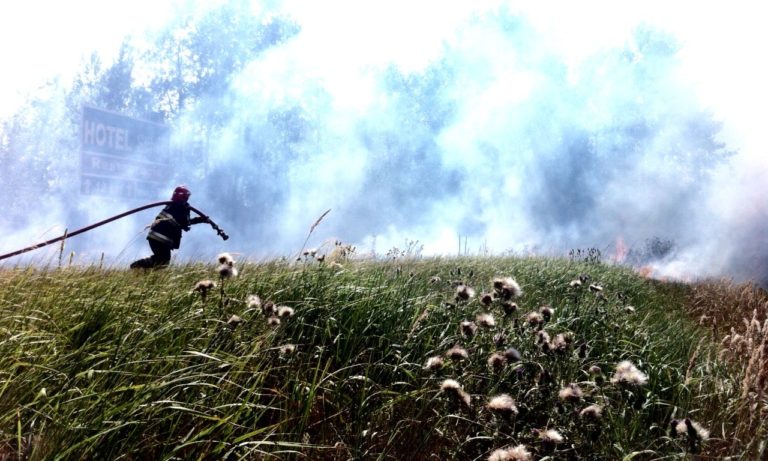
<point x="370" y="360"/>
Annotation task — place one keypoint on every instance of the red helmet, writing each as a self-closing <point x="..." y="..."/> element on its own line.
<point x="181" y="194"/>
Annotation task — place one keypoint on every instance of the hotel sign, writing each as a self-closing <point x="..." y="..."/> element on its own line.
<point x="121" y="156"/>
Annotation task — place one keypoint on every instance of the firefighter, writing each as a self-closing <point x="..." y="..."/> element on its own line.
<point x="165" y="231"/>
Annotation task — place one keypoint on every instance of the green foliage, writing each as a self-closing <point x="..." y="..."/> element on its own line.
<point x="112" y="364"/>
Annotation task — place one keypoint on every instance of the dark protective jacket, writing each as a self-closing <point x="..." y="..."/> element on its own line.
<point x="170" y="222"/>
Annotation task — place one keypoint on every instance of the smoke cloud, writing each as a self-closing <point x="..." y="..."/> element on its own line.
<point x="500" y="128"/>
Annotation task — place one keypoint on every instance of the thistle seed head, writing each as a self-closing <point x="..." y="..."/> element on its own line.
<point x="227" y="271"/>
<point x="502" y="404"/>
<point x="457" y="353"/>
<point x="468" y="328"/>
<point x="273" y="321"/>
<point x="453" y="389"/>
<point x="547" y="312"/>
<point x="534" y="319"/>
<point x="497" y="361"/>
<point x="627" y="373"/>
<point x="571" y="393"/>
<point x="269" y="308"/>
<point x="509" y="307"/>
<point x="507" y="288"/>
<point x="542" y="337"/>
<point x="551" y="436"/>
<point x="518" y="453"/>
<point x="225" y="258"/>
<point x="464" y="293"/>
<point x="434" y="363"/>
<point x="593" y="412"/>
<point x="575" y="283"/>
<point x="253" y="302"/>
<point x="285" y="311"/>
<point x="485" y="320"/>
<point x="234" y="321"/>
<point x="204" y="286"/>
<point x="690" y="429"/>
<point x="562" y="342"/>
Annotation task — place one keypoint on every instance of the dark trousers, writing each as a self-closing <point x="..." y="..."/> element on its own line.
<point x="161" y="256"/>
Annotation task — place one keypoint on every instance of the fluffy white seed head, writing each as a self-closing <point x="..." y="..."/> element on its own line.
<point x="627" y="373"/>
<point x="234" y="321"/>
<point x="253" y="301"/>
<point x="203" y="286"/>
<point x="518" y="453"/>
<point x="591" y="412"/>
<point x="457" y="353"/>
<point x="464" y="293"/>
<point x="689" y="428"/>
<point x="497" y="361"/>
<point x="452" y="388"/>
<point x="285" y="311"/>
<point x="534" y="318"/>
<point x="507" y="288"/>
<point x="227" y="271"/>
<point x="273" y="321"/>
<point x="503" y="404"/>
<point x="575" y="283"/>
<point x="225" y="258"/>
<point x="434" y="363"/>
<point x="551" y="436"/>
<point x="468" y="328"/>
<point x="485" y="320"/>
<point x="571" y="393"/>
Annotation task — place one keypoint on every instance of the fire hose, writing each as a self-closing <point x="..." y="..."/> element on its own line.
<point x="215" y="227"/>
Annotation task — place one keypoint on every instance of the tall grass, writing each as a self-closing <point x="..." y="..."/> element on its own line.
<point x="737" y="315"/>
<point x="111" y="364"/>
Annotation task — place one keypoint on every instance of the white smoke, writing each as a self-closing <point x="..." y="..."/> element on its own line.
<point x="514" y="164"/>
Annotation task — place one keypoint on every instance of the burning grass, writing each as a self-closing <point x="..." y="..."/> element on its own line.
<point x="112" y="364"/>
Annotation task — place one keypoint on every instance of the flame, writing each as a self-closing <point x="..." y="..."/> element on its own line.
<point x="646" y="271"/>
<point x="621" y="250"/>
<point x="653" y="273"/>
<point x="665" y="273"/>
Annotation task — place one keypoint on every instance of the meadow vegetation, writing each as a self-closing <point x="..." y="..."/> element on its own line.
<point x="494" y="358"/>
